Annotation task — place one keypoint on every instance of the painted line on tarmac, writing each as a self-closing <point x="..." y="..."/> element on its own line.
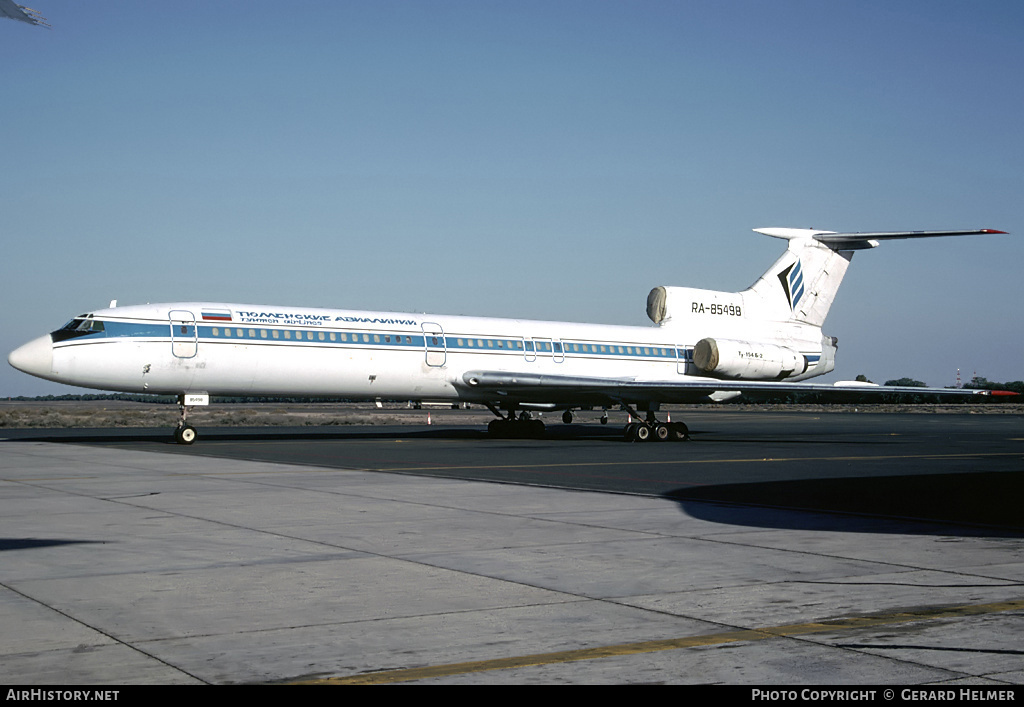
<point x="885" y="618"/>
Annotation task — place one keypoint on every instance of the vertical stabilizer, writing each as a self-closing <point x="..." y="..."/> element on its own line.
<point x="801" y="285"/>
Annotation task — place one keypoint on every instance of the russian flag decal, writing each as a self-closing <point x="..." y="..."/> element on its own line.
<point x="216" y="315"/>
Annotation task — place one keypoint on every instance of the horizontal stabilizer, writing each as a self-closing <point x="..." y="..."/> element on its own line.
<point x="859" y="241"/>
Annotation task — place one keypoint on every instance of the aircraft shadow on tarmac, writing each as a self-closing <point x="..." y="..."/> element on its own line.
<point x="35" y="543"/>
<point x="985" y="504"/>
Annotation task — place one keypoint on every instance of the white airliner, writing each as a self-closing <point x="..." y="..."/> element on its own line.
<point x="706" y="345"/>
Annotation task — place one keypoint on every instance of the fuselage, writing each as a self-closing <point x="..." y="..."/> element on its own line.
<point x="242" y="350"/>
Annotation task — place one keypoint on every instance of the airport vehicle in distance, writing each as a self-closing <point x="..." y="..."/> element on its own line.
<point x="705" y="345"/>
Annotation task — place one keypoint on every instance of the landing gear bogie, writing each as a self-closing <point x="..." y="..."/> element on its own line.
<point x="656" y="432"/>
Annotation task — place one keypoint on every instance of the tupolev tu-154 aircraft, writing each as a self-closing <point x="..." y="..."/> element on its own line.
<point x="706" y="345"/>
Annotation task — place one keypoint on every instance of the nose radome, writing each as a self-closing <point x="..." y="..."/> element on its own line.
<point x="34" y="358"/>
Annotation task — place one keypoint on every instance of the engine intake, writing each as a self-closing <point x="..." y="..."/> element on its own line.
<point x="747" y="360"/>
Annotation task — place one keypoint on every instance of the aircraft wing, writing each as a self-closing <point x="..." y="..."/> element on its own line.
<point x="14" y="11"/>
<point x="583" y="390"/>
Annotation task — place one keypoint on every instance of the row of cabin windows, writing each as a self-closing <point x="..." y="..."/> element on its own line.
<point x="601" y="348"/>
<point x="228" y="333"/>
<point x="556" y="347"/>
<point x="470" y="343"/>
<point x="489" y="343"/>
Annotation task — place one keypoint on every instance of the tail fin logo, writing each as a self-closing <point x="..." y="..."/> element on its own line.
<point x="792" y="279"/>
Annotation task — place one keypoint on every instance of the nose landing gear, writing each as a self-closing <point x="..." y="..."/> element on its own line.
<point x="184" y="433"/>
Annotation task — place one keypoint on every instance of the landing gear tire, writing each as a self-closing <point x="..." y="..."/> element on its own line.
<point x="678" y="432"/>
<point x="185" y="435"/>
<point x="567" y="417"/>
<point x="638" y="432"/>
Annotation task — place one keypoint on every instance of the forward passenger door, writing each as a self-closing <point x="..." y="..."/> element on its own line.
<point x="184" y="333"/>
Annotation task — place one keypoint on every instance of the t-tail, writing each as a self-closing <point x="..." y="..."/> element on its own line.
<point x="779" y="317"/>
<point x="798" y="288"/>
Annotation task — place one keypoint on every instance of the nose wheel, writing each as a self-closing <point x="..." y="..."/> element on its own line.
<point x="186" y="434"/>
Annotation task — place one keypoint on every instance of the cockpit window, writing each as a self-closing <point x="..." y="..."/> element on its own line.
<point x="79" y="326"/>
<point x="83" y="324"/>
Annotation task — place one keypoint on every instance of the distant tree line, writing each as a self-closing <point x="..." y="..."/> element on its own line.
<point x="853" y="395"/>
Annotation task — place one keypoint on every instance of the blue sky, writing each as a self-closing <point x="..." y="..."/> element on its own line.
<point x="548" y="160"/>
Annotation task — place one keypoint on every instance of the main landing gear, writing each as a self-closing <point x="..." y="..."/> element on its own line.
<point x="513" y="427"/>
<point x="184" y="433"/>
<point x="650" y="430"/>
<point x="522" y="426"/>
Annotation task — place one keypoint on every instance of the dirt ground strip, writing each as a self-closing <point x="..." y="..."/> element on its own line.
<point x="119" y="413"/>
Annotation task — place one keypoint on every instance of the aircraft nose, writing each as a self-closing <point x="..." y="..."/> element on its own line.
<point x="34" y="358"/>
